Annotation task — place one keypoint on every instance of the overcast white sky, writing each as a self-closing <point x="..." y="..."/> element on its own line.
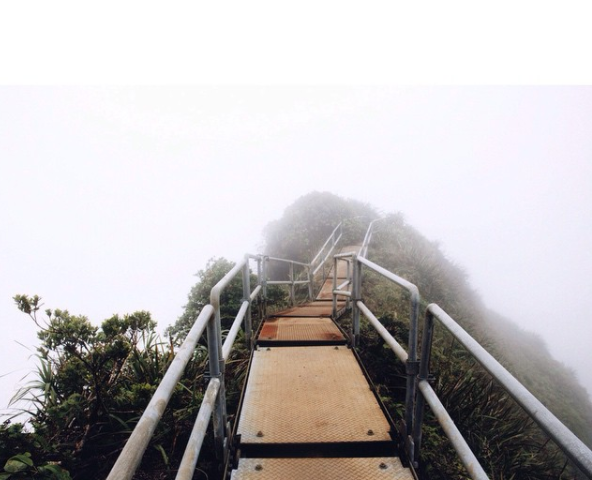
<point x="111" y="198"/>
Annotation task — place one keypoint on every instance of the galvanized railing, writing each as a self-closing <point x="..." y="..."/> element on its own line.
<point x="419" y="391"/>
<point x="294" y="279"/>
<point x="408" y="357"/>
<point x="368" y="237"/>
<point x="214" y="401"/>
<point x="320" y="260"/>
<point x="571" y="445"/>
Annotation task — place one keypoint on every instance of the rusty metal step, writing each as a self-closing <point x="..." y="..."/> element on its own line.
<point x="303" y="330"/>
<point x="312" y="309"/>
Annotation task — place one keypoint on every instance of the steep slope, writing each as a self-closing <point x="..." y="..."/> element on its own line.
<point x="502" y="436"/>
<point x="406" y="252"/>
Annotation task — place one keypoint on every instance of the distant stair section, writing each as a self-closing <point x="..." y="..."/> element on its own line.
<point x="308" y="411"/>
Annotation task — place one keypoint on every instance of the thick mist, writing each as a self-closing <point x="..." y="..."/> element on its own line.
<point x="113" y="198"/>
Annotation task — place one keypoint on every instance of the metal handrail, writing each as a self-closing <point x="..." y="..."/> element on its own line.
<point x="396" y="347"/>
<point x="131" y="455"/>
<point x="285" y="260"/>
<point x="331" y="237"/>
<point x="310" y="268"/>
<point x="189" y="460"/>
<point x="460" y="445"/>
<point x="358" y="306"/>
<point x="338" y="290"/>
<point x="233" y="332"/>
<point x="411" y="363"/>
<point x="214" y="401"/>
<point x="364" y="248"/>
<point x="292" y="282"/>
<point x="571" y="445"/>
<point x="418" y="391"/>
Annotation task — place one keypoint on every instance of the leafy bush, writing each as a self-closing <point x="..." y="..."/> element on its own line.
<point x="92" y="385"/>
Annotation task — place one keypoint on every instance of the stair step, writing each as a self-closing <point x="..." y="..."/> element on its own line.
<point x="309" y="395"/>
<point x="375" y="468"/>
<point x="326" y="292"/>
<point x="294" y="329"/>
<point x="312" y="309"/>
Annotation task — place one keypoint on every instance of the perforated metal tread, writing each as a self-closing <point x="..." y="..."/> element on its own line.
<point x="321" y="469"/>
<point x="309" y="395"/>
<point x="300" y="329"/>
<point x="312" y="309"/>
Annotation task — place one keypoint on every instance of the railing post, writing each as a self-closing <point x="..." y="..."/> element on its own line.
<point x="356" y="294"/>
<point x="348" y="277"/>
<point x="292" y="299"/>
<point x="424" y="371"/>
<point x="263" y="280"/>
<point x="247" y="297"/>
<point x="260" y="282"/>
<point x="412" y="368"/>
<point x="310" y="299"/>
<point x="217" y="367"/>
<point x="334" y="286"/>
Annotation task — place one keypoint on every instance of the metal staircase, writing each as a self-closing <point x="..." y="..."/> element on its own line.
<point x="308" y="410"/>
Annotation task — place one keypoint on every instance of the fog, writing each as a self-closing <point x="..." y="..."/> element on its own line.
<point x="113" y="198"/>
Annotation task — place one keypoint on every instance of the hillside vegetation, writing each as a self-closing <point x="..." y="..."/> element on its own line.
<point x="502" y="435"/>
<point x="93" y="382"/>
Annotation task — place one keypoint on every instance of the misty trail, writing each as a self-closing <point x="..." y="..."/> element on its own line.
<point x="308" y="401"/>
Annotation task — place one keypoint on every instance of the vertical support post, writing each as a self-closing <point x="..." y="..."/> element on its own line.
<point x="348" y="277"/>
<point x="292" y="299"/>
<point x="310" y="292"/>
<point x="264" y="285"/>
<point x="217" y="367"/>
<point x="334" y="286"/>
<point x="260" y="282"/>
<point x="247" y="297"/>
<point x="412" y="368"/>
<point x="424" y="371"/>
<point x="356" y="295"/>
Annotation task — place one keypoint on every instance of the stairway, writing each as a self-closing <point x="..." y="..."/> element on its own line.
<point x="308" y="410"/>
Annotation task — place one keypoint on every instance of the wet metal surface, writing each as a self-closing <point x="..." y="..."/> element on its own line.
<point x="326" y="292"/>
<point x="321" y="469"/>
<point x="309" y="395"/>
<point x="300" y="328"/>
<point x="313" y="309"/>
<point x="311" y="402"/>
